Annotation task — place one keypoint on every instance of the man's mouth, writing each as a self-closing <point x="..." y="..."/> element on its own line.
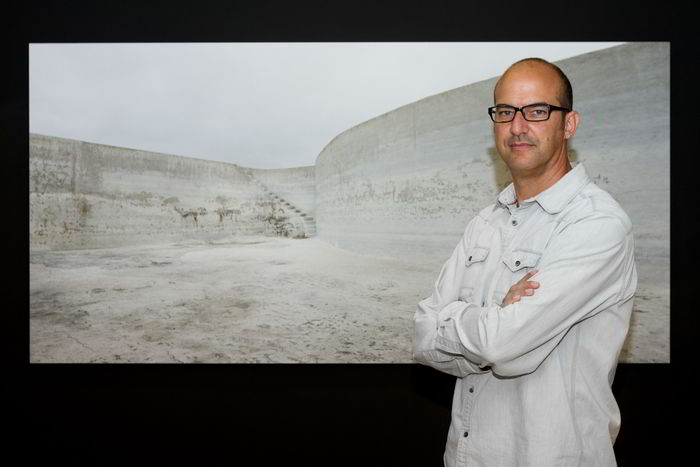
<point x="520" y="145"/>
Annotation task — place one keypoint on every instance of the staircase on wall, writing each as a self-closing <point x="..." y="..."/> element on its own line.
<point x="307" y="221"/>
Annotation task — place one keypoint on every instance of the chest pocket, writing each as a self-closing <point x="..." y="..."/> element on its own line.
<point x="476" y="255"/>
<point x="474" y="271"/>
<point x="518" y="260"/>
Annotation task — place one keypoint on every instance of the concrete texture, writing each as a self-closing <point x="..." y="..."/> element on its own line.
<point x="189" y="268"/>
<point x="85" y="195"/>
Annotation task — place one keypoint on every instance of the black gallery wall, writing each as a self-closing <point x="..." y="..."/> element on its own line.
<point x="277" y="414"/>
<point x="328" y="415"/>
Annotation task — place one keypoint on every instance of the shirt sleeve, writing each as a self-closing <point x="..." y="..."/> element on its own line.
<point x="426" y="318"/>
<point x="586" y="268"/>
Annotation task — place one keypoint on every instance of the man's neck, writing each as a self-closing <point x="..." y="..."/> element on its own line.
<point x="528" y="185"/>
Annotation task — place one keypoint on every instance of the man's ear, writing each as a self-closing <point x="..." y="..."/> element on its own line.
<point x="571" y="122"/>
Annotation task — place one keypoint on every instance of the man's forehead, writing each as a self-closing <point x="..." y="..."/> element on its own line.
<point x="527" y="80"/>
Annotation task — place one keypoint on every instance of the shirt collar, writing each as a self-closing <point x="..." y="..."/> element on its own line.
<point x="557" y="196"/>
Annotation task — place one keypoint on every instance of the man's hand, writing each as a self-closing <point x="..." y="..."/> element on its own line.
<point x="520" y="288"/>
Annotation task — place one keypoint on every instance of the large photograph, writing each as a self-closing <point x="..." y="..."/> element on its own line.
<point x="294" y="202"/>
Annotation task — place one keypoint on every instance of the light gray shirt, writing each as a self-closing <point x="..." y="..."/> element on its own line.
<point x="534" y="377"/>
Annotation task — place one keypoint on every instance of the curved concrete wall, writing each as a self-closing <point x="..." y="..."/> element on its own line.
<point x="403" y="184"/>
<point x="85" y="195"/>
<point x="406" y="183"/>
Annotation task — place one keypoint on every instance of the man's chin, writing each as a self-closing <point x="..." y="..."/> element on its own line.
<point x="518" y="160"/>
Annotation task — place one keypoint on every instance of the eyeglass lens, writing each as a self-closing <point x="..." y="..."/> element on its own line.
<point x="532" y="112"/>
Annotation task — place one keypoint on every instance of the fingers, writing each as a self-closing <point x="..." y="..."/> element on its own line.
<point x="528" y="275"/>
<point x="526" y="288"/>
<point x="523" y="287"/>
<point x="508" y="300"/>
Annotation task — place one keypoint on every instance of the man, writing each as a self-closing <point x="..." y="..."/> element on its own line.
<point x="531" y="310"/>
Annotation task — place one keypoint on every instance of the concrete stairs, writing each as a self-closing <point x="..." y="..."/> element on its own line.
<point x="303" y="219"/>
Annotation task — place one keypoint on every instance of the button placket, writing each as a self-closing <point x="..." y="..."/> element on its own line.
<point x="468" y="397"/>
<point x="514" y="220"/>
<point x="468" y="400"/>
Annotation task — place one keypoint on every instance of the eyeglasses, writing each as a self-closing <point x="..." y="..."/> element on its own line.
<point x="503" y="113"/>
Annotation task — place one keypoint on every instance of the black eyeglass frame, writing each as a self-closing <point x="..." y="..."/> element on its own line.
<point x="520" y="109"/>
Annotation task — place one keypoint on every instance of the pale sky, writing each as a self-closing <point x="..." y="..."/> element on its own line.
<point x="261" y="105"/>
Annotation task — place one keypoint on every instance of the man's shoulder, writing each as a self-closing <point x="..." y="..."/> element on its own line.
<point x="478" y="224"/>
<point x="593" y="202"/>
<point x="487" y="213"/>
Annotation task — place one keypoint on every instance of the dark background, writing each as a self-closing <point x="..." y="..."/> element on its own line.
<point x="315" y="414"/>
<point x="325" y="415"/>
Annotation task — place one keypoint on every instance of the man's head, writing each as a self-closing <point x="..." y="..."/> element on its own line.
<point x="565" y="93"/>
<point x="535" y="149"/>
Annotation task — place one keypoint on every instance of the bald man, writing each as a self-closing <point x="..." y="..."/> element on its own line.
<point x="531" y="310"/>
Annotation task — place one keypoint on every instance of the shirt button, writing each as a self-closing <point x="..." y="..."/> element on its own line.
<point x="471" y="389"/>
<point x="517" y="263"/>
<point x="466" y="433"/>
<point x="470" y="258"/>
<point x="514" y="222"/>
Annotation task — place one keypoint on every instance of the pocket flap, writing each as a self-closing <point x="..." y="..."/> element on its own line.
<point x="520" y="259"/>
<point x="475" y="255"/>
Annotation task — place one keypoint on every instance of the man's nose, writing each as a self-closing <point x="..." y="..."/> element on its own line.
<point x="519" y="125"/>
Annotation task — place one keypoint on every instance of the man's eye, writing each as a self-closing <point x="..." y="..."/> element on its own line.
<point x="505" y="113"/>
<point x="537" y="112"/>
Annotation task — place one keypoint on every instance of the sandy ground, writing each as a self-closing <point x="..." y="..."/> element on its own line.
<point x="249" y="300"/>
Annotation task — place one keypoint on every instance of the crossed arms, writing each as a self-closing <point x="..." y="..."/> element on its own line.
<point x="587" y="267"/>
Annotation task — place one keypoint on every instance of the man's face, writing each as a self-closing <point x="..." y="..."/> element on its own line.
<point x="531" y="148"/>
